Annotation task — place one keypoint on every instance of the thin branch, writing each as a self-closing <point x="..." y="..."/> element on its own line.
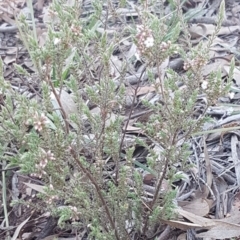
<point x="48" y="80"/>
<point x="91" y="178"/>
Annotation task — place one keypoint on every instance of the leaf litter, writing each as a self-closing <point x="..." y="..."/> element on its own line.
<point x="208" y="202"/>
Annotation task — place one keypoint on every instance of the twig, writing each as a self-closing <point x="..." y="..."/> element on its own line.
<point x="165" y="234"/>
<point x="159" y="183"/>
<point x="91" y="178"/>
<point x="47" y="79"/>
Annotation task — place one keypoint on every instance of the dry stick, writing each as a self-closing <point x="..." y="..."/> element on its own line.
<point x="165" y="234"/>
<point x="129" y="117"/>
<point x="90" y="177"/>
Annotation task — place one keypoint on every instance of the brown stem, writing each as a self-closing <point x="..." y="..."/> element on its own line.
<point x="48" y="80"/>
<point x="162" y="89"/>
<point x="60" y="104"/>
<point x="91" y="178"/>
<point x="129" y="117"/>
<point x="159" y="184"/>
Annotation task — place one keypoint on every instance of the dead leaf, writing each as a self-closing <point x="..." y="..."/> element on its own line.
<point x="49" y="17"/>
<point x="39" y="4"/>
<point x="208" y="169"/>
<point x="234" y="216"/>
<point x="11" y="50"/>
<point x="29" y="64"/>
<point x="198" y="206"/>
<point x="115" y="66"/>
<point x="111" y="117"/>
<point x="133" y="129"/>
<point x="181" y="225"/>
<point x="236" y="9"/>
<point x="132" y="51"/>
<point x="222" y="230"/>
<point x="67" y="103"/>
<point x="235" y="156"/>
<point x="236" y="74"/>
<point x="237" y="202"/>
<point x="38" y="188"/>
<point x="17" y="231"/>
<point x="201" y="221"/>
<point x="9" y="59"/>
<point x="209" y="68"/>
<point x="42" y="36"/>
<point x="54" y="237"/>
<point x="197" y="31"/>
<point x="219" y="229"/>
<point x="182" y="236"/>
<point x="8" y="19"/>
<point x="140" y="90"/>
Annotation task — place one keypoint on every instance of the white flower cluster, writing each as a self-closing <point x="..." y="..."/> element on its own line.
<point x="144" y="38"/>
<point x="39" y="121"/>
<point x="164" y="46"/>
<point x="149" y="42"/>
<point x="196" y="63"/>
<point x="45" y="157"/>
<point x="204" y="85"/>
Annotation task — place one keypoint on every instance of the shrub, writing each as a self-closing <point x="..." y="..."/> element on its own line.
<point x="74" y="139"/>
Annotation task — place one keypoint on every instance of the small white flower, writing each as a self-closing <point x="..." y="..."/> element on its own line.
<point x="140" y="28"/>
<point x="164" y="45"/>
<point x="149" y="42"/>
<point x="231" y="95"/>
<point x="56" y="41"/>
<point x="204" y="85"/>
<point x="39" y="121"/>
